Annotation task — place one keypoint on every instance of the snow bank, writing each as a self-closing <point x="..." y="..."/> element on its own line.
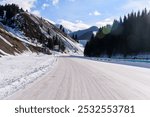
<point x="18" y="71"/>
<point x="4" y="53"/>
<point x="132" y="62"/>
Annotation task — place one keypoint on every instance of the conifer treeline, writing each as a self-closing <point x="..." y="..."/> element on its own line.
<point x="129" y="36"/>
<point x="11" y="9"/>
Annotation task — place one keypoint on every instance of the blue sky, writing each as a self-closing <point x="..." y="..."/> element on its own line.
<point x="81" y="14"/>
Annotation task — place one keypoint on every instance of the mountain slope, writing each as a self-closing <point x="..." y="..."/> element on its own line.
<point x="9" y="44"/>
<point x="67" y="31"/>
<point x="31" y="31"/>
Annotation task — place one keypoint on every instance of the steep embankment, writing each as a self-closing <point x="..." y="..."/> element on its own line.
<point x="12" y="45"/>
<point x="27" y="32"/>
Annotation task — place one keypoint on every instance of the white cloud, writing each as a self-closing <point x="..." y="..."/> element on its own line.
<point x="95" y="13"/>
<point x="55" y="2"/>
<point x="79" y="21"/>
<point x="36" y="12"/>
<point x="44" y="6"/>
<point x="25" y="4"/>
<point x="105" y="22"/>
<point x="137" y="5"/>
<point x="78" y="25"/>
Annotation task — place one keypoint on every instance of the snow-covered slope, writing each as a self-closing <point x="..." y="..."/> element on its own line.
<point x="31" y="30"/>
<point x="12" y="45"/>
<point x="67" y="31"/>
<point x="46" y="31"/>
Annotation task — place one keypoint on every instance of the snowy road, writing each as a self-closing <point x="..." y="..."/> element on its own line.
<point x="79" y="78"/>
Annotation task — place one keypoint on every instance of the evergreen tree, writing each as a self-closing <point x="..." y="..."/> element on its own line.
<point x="61" y="27"/>
<point x="48" y="31"/>
<point x="63" y="30"/>
<point x="50" y="44"/>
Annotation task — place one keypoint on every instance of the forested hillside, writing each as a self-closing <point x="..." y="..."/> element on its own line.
<point x="129" y="36"/>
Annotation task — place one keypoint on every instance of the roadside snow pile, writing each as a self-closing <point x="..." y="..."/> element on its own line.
<point x="132" y="62"/>
<point x="18" y="71"/>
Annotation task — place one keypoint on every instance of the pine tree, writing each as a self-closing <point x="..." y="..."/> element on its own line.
<point x="61" y="27"/>
<point x="63" y="30"/>
<point x="48" y="31"/>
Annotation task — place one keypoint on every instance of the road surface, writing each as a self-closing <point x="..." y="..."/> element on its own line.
<point x="79" y="78"/>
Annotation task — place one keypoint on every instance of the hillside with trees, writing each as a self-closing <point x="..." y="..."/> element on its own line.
<point x="31" y="30"/>
<point x="129" y="36"/>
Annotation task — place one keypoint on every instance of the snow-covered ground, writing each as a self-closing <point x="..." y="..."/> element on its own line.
<point x="73" y="77"/>
<point x="18" y="71"/>
<point x="132" y="62"/>
<point x="77" y="78"/>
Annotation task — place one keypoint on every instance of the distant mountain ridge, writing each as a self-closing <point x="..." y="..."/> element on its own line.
<point x="85" y="34"/>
